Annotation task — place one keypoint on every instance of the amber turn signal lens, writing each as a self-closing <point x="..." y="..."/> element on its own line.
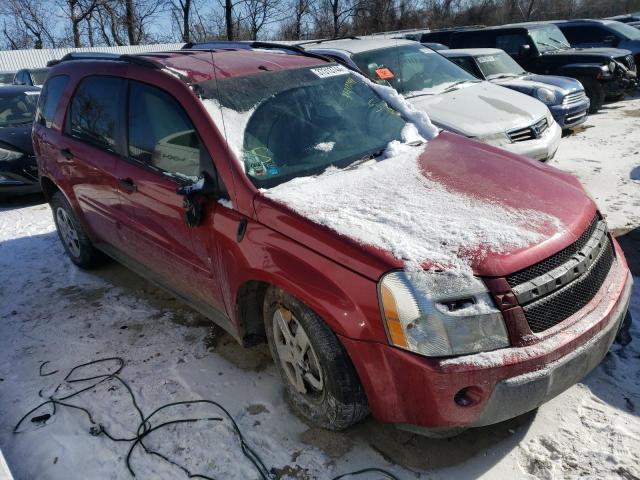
<point x="394" y="327"/>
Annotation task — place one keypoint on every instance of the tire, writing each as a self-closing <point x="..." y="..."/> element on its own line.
<point x="594" y="91"/>
<point x="72" y="236"/>
<point x="330" y="395"/>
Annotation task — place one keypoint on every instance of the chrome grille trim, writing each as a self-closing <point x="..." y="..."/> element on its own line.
<point x="533" y="131"/>
<point x="573" y="98"/>
<point x="564" y="274"/>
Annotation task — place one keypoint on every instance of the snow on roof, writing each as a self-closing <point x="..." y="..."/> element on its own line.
<point x="358" y="45"/>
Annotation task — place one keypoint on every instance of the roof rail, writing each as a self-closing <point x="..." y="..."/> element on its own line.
<point x="114" y="57"/>
<point x="322" y="40"/>
<point x="454" y="29"/>
<point x="234" y="45"/>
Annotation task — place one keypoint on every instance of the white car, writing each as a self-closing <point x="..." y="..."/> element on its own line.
<point x="454" y="99"/>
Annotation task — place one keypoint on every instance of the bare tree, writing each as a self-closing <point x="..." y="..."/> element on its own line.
<point x="27" y="20"/>
<point x="181" y="12"/>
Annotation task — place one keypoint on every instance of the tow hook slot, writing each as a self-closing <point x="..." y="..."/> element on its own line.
<point x="242" y="229"/>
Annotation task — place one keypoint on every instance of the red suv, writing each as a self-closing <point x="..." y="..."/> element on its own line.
<point x="434" y="281"/>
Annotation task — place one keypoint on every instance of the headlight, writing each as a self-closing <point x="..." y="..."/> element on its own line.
<point x="6" y="155"/>
<point x="438" y="314"/>
<point x="612" y="66"/>
<point x="545" y="95"/>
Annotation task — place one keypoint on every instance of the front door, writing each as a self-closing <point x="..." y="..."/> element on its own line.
<point x="165" y="153"/>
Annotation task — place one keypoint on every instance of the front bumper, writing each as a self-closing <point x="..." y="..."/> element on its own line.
<point x="419" y="393"/>
<point x="568" y="117"/>
<point x="619" y="84"/>
<point x="543" y="148"/>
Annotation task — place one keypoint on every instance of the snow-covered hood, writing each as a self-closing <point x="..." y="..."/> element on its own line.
<point x="456" y="202"/>
<point x="529" y="83"/>
<point x="480" y="110"/>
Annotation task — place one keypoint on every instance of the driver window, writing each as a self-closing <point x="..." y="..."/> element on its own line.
<point x="161" y="134"/>
<point x="511" y="43"/>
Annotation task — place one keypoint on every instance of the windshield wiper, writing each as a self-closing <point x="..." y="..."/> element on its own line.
<point x="560" y="42"/>
<point x="366" y="157"/>
<point x="455" y="85"/>
<point x="555" y="47"/>
<point x="496" y="76"/>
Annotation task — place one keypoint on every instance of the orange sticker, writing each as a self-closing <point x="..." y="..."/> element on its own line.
<point x="384" y="73"/>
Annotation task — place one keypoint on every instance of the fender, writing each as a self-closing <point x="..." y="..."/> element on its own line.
<point x="270" y="257"/>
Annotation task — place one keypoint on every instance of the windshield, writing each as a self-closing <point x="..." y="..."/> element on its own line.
<point x="39" y="76"/>
<point x="412" y="70"/>
<point x="17" y="108"/>
<point x="6" y="78"/>
<point x="499" y="64"/>
<point x="295" y="123"/>
<point x="549" y="39"/>
<point x="625" y="30"/>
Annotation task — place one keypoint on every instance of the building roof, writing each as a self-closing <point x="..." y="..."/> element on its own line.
<point x="14" y="60"/>
<point x="356" y="45"/>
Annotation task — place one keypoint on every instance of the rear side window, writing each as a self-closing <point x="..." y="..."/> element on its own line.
<point x="511" y="43"/>
<point x="93" y="114"/>
<point x="161" y="134"/>
<point x="50" y="98"/>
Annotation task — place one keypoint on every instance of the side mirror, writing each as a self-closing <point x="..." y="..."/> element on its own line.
<point x="195" y="196"/>
<point x="524" y="51"/>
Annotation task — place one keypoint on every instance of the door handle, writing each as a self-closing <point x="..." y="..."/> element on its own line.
<point x="128" y="185"/>
<point x="66" y="153"/>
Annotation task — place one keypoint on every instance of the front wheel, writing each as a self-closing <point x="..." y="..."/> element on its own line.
<point x="73" y="237"/>
<point x="594" y="91"/>
<point x="320" y="381"/>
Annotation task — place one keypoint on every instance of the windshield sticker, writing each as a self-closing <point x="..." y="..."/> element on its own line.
<point x="486" y="59"/>
<point x="332" y="71"/>
<point x="383" y="73"/>
<point x="272" y="170"/>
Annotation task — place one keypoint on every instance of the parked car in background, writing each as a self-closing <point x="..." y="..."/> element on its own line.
<point x="6" y="78"/>
<point x="18" y="168"/>
<point x="31" y="76"/>
<point x="564" y="96"/>
<point x="542" y="48"/>
<point x="626" y="18"/>
<point x="453" y="98"/>
<point x="602" y="33"/>
<point x="224" y="227"/>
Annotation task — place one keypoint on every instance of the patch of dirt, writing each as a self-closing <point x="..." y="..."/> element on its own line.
<point x="255" y="358"/>
<point x="334" y="444"/>
<point x="291" y="471"/>
<point x="257" y="409"/>
<point x="632" y="113"/>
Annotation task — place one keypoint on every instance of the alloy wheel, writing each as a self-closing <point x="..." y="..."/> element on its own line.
<point x="68" y="231"/>
<point x="296" y="354"/>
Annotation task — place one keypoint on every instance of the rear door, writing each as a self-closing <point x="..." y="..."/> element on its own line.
<point x="164" y="152"/>
<point x="88" y="150"/>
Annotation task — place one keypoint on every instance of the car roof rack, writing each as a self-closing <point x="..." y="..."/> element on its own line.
<point x="114" y="57"/>
<point x="322" y="40"/>
<point x="235" y="45"/>
<point x="453" y="29"/>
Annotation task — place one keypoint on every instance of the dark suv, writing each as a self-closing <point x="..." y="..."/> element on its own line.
<point x="601" y="33"/>
<point x="542" y="48"/>
<point x="283" y="196"/>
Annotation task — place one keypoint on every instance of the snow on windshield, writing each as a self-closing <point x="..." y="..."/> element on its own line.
<point x="231" y="124"/>
<point x="392" y="205"/>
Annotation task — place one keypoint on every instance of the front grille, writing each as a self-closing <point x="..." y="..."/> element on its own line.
<point x="561" y="304"/>
<point x="573" y="98"/>
<point x="554" y="261"/>
<point x="531" y="132"/>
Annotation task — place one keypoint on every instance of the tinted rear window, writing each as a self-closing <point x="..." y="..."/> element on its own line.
<point x="50" y="98"/>
<point x="93" y="114"/>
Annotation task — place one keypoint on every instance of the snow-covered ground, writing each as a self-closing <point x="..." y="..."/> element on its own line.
<point x="605" y="155"/>
<point x="51" y="311"/>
